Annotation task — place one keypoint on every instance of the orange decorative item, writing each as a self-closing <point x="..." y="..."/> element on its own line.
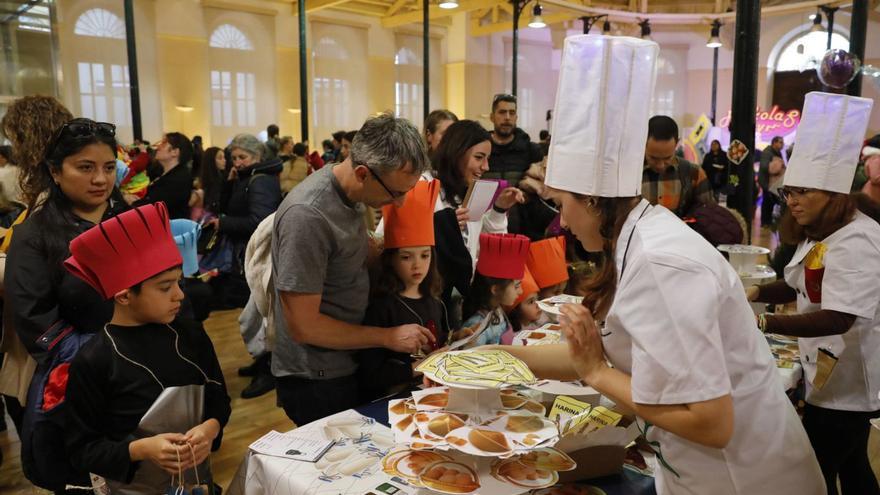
<point x="412" y="224"/>
<point x="529" y="287"/>
<point x="503" y="256"/>
<point x="546" y="262"/>
<point x="124" y="250"/>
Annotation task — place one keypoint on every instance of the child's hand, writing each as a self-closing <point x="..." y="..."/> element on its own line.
<point x="200" y="438"/>
<point x="166" y="450"/>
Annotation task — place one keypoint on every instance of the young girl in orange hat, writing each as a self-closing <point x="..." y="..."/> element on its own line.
<point x="407" y="290"/>
<point x="496" y="284"/>
<point x="546" y="263"/>
<point x="524" y="313"/>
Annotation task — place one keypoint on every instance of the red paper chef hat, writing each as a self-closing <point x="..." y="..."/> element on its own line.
<point x="125" y="250"/>
<point x="503" y="256"/>
<point x="528" y="287"/>
<point x="412" y="224"/>
<point x="546" y="262"/>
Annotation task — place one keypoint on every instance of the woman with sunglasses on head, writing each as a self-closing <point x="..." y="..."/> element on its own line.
<point x="51" y="309"/>
<point x="834" y="277"/>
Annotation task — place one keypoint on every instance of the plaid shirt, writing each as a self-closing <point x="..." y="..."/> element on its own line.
<point x="665" y="188"/>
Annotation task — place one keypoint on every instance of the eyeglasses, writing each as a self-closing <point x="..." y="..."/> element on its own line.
<point x="82" y="128"/>
<point x="787" y="192"/>
<point x="393" y="194"/>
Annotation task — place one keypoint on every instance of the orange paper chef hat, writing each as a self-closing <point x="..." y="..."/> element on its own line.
<point x="412" y="224"/>
<point x="125" y="250"/>
<point x="503" y="256"/>
<point x="528" y="286"/>
<point x="546" y="262"/>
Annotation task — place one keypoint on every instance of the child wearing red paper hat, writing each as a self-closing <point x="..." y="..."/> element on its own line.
<point x="524" y="313"/>
<point x="546" y="262"/>
<point x="145" y="397"/>
<point x="407" y="291"/>
<point x="496" y="284"/>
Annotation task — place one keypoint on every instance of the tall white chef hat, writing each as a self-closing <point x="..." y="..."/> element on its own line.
<point x="600" y="121"/>
<point x="829" y="139"/>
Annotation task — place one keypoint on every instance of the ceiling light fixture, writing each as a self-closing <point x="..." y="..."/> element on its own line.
<point x="537" y="21"/>
<point x="448" y="4"/>
<point x="714" y="40"/>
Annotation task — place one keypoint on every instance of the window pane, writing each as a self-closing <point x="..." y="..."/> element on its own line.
<point x="85" y="77"/>
<point x="88" y="111"/>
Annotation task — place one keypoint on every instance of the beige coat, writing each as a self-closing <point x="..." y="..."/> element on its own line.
<point x="294" y="172"/>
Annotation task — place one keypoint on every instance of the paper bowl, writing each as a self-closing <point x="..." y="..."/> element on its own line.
<point x="518" y="474"/>
<point x="449" y="477"/>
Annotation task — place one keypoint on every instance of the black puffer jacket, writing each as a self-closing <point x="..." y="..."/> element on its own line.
<point x="256" y="194"/>
<point x="510" y="161"/>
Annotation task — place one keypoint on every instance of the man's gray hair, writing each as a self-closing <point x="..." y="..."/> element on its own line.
<point x="250" y="145"/>
<point x="386" y="143"/>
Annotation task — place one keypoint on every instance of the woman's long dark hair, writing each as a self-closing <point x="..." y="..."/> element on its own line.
<point x="388" y="283"/>
<point x="480" y="296"/>
<point x="54" y="217"/>
<point x="599" y="290"/>
<point x="211" y="179"/>
<point x="458" y="138"/>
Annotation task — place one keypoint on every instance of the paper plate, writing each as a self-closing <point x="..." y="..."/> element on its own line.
<point x="410" y="466"/>
<point x="449" y="477"/>
<point x="518" y="474"/>
<point x="551" y="304"/>
<point x="548" y="458"/>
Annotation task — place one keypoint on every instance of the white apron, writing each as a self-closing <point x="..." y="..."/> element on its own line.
<point x="680" y="325"/>
<point x="849" y="282"/>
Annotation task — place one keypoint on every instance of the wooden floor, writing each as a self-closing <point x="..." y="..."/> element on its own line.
<point x="252" y="418"/>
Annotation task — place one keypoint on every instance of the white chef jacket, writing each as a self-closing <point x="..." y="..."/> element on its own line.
<point x="850" y="284"/>
<point x="680" y="325"/>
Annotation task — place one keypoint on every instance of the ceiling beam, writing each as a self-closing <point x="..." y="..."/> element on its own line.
<point x="435" y="12"/>
<point x="318" y="5"/>
<point x="697" y="18"/>
<point x="397" y="5"/>
<point x="507" y="26"/>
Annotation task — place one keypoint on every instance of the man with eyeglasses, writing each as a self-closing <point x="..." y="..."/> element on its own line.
<point x="319" y="256"/>
<point x="513" y="152"/>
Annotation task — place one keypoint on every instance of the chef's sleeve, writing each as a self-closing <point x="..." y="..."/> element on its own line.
<point x="851" y="281"/>
<point x="671" y="309"/>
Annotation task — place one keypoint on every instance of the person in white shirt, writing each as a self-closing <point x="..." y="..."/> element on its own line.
<point x="834" y="277"/>
<point x="666" y="310"/>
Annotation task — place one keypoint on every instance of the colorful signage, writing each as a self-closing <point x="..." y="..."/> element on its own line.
<point x="770" y="123"/>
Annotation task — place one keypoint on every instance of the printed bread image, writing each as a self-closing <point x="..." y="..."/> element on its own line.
<point x="402" y="407"/>
<point x="450" y="477"/>
<point x="404" y="423"/>
<point x="435" y="400"/>
<point x="524" y="424"/>
<point x="442" y="425"/>
<point x="516" y="473"/>
<point x="488" y="440"/>
<point x="549" y="459"/>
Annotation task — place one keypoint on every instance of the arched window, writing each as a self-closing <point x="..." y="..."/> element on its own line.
<point x="807" y="50"/>
<point x="229" y="36"/>
<point x="100" y="23"/>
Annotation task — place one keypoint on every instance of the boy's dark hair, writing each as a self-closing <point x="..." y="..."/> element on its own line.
<point x="327" y="144"/>
<point x="182" y="143"/>
<point x="272" y="130"/>
<point x="662" y="128"/>
<point x="338" y="135"/>
<point x="136" y="288"/>
<point x="388" y="284"/>
<point x="299" y="149"/>
<point x="777" y="139"/>
<point x="349" y="136"/>
<point x="480" y="294"/>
